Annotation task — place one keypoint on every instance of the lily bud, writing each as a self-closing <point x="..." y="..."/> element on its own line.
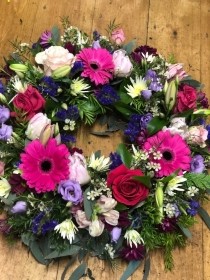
<point x="46" y="134"/>
<point x="56" y="129"/>
<point x="170" y="95"/>
<point x="3" y="99"/>
<point x="61" y="72"/>
<point x="18" y="67"/>
<point x="159" y="195"/>
<point x="64" y="106"/>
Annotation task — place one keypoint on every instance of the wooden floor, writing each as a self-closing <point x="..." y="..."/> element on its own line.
<point x="181" y="27"/>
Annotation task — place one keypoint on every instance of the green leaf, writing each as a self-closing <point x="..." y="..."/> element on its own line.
<point x="26" y="238"/>
<point x="155" y="125"/>
<point x="205" y="216"/>
<point x="131" y="268"/>
<point x="55" y="34"/>
<point x="69" y="263"/>
<point x="87" y="205"/>
<point x="71" y="250"/>
<point x="199" y="180"/>
<point x="37" y="253"/>
<point x="191" y="82"/>
<point x="78" y="272"/>
<point x="146" y="268"/>
<point x="121" y="207"/>
<point x="185" y="231"/>
<point x="125" y="155"/>
<point x="124" y="109"/>
<point x="145" y="180"/>
<point x="130" y="46"/>
<point x="9" y="201"/>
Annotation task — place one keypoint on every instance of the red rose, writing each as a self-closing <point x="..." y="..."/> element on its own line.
<point x="125" y="189"/>
<point x="29" y="103"/>
<point x="186" y="99"/>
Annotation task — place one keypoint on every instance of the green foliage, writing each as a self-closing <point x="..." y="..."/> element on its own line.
<point x="199" y="180"/>
<point x="131" y="268"/>
<point x="125" y="155"/>
<point x="155" y="125"/>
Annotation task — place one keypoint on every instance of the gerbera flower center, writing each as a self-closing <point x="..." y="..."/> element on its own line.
<point x="94" y="65"/>
<point x="46" y="165"/>
<point x="167" y="155"/>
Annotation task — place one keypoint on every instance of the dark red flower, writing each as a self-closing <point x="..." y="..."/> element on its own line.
<point x="137" y="53"/>
<point x="133" y="253"/>
<point x="17" y="183"/>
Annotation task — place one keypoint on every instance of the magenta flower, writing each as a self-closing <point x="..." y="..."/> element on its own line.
<point x="98" y="65"/>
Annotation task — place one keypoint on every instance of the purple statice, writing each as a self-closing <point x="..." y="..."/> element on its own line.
<point x="138" y="53"/>
<point x="67" y="138"/>
<point x="48" y="86"/>
<point x="4" y="226"/>
<point x="49" y="226"/>
<point x="36" y="222"/>
<point x="19" y="207"/>
<point x="70" y="191"/>
<point x="197" y="164"/>
<point x="4" y="114"/>
<point x="2" y="88"/>
<point x="153" y="80"/>
<point x="72" y="113"/>
<point x="145" y="119"/>
<point x="133" y="253"/>
<point x="107" y="95"/>
<point x="202" y="99"/>
<point x="46" y="39"/>
<point x="168" y="224"/>
<point x="5" y="132"/>
<point x="77" y="68"/>
<point x="192" y="210"/>
<point x="115" y="160"/>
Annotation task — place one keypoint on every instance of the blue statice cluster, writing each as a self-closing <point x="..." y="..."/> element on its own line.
<point x="107" y="95"/>
<point x="115" y="160"/>
<point x="67" y="138"/>
<point x="40" y="225"/>
<point x="72" y="113"/>
<point x="193" y="207"/>
<point x="48" y="86"/>
<point x="136" y="127"/>
<point x="154" y="81"/>
<point x="77" y="68"/>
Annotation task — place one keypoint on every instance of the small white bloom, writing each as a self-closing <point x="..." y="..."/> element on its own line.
<point x="78" y="86"/>
<point x="133" y="237"/>
<point x="157" y="155"/>
<point x="67" y="229"/>
<point x="175" y="184"/>
<point x="192" y="191"/>
<point x="171" y="210"/>
<point x="137" y="86"/>
<point x="100" y="163"/>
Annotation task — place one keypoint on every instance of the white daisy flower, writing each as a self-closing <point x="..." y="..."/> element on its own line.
<point x="67" y="229"/>
<point x="99" y="163"/>
<point x="133" y="237"/>
<point x="137" y="86"/>
<point x="78" y="86"/>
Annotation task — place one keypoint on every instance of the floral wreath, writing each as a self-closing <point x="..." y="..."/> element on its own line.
<point x="144" y="195"/>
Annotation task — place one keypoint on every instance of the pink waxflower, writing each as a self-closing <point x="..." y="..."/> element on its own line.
<point x="43" y="167"/>
<point x="197" y="135"/>
<point x="176" y="70"/>
<point x="122" y="64"/>
<point x="78" y="168"/>
<point x="118" y="36"/>
<point x="98" y="65"/>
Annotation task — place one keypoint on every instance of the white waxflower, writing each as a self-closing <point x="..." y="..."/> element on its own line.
<point x="78" y="86"/>
<point x="171" y="210"/>
<point x="133" y="237"/>
<point x="175" y="184"/>
<point x="137" y="86"/>
<point x="99" y="163"/>
<point x="67" y="229"/>
<point x="192" y="191"/>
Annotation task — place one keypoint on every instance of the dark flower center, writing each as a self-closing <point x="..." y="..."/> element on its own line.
<point x="94" y="66"/>
<point x="46" y="165"/>
<point x="167" y="155"/>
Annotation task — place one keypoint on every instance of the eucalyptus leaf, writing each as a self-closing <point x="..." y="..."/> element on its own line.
<point x="101" y="133"/>
<point x="125" y="155"/>
<point x="55" y="34"/>
<point x="130" y="46"/>
<point x="79" y="272"/>
<point x="69" y="263"/>
<point x="131" y="268"/>
<point x="71" y="250"/>
<point x="37" y="253"/>
<point x="205" y="216"/>
<point x="185" y="231"/>
<point x="9" y="200"/>
<point x="26" y="238"/>
<point x="87" y="204"/>
<point x="155" y="125"/>
<point x="146" y="268"/>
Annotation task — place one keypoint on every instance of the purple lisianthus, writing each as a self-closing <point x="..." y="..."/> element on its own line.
<point x="4" y="114"/>
<point x="5" y="132"/>
<point x="19" y="207"/>
<point x="96" y="45"/>
<point x="70" y="191"/>
<point x="145" y="119"/>
<point x="133" y="253"/>
<point x="45" y="39"/>
<point x="115" y="234"/>
<point x="197" y="164"/>
<point x="146" y="94"/>
<point x="154" y="81"/>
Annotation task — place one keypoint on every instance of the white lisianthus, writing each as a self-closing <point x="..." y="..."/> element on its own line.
<point x="178" y="126"/>
<point x="96" y="228"/>
<point x="36" y="125"/>
<point x="137" y="86"/>
<point x="99" y="163"/>
<point x="67" y="230"/>
<point x="4" y="188"/>
<point x="133" y="237"/>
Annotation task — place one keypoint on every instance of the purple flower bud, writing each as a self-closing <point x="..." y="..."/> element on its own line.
<point x="19" y="207"/>
<point x="115" y="234"/>
<point x="197" y="164"/>
<point x="5" y="132"/>
<point x="70" y="191"/>
<point x="146" y="94"/>
<point x="45" y="39"/>
<point x="96" y="45"/>
<point x="4" y="114"/>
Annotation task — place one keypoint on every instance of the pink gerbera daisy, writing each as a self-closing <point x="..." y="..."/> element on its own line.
<point x="98" y="65"/>
<point x="174" y="152"/>
<point x="44" y="166"/>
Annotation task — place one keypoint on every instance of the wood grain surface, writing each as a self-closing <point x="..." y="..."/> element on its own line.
<point x="180" y="27"/>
